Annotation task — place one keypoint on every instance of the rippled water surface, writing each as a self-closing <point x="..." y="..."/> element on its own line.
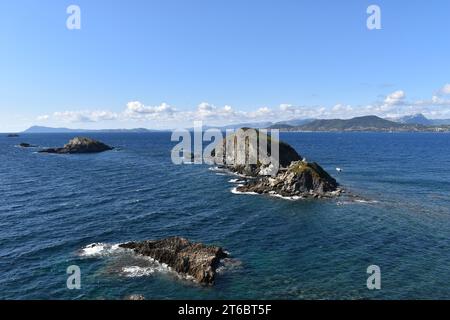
<point x="53" y="206"/>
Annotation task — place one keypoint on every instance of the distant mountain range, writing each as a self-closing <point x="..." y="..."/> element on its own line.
<point x="421" y="119"/>
<point x="40" y="129"/>
<point x="414" y="119"/>
<point x="256" y="125"/>
<point x="294" y="122"/>
<point x="366" y="123"/>
<point x="417" y="122"/>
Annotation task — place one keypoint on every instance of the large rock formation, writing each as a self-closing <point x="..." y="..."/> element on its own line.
<point x="192" y="259"/>
<point x="301" y="179"/>
<point x="234" y="151"/>
<point x="80" y="145"/>
<point x="293" y="177"/>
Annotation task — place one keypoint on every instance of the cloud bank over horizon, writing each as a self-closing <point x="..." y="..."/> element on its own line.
<point x="394" y="105"/>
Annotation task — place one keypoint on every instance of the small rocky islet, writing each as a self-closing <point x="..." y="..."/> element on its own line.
<point x="295" y="178"/>
<point x="188" y="258"/>
<point x="27" y="145"/>
<point x="79" y="145"/>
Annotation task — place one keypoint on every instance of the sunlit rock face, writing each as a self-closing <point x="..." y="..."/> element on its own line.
<point x="251" y="152"/>
<point x="183" y="256"/>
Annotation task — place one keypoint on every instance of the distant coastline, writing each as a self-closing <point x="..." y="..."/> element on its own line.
<point x="362" y="124"/>
<point x="41" y="129"/>
<point x="371" y="123"/>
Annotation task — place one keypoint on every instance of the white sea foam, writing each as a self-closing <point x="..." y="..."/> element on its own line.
<point x="239" y="175"/>
<point x="272" y="194"/>
<point x="217" y="169"/>
<point x="365" y="201"/>
<point x="128" y="264"/>
<point x="236" y="181"/>
<point x="356" y="201"/>
<point x="235" y="191"/>
<point x="229" y="264"/>
<point x="293" y="198"/>
<point x="137" y="271"/>
<point x="99" y="250"/>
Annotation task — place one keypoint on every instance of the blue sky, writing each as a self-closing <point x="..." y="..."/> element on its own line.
<point x="166" y="63"/>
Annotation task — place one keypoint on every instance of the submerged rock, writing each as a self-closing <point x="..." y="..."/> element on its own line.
<point x="26" y="145"/>
<point x="80" y="145"/>
<point x="188" y="258"/>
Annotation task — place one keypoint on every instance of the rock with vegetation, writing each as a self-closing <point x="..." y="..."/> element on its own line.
<point x="190" y="259"/>
<point x="301" y="179"/>
<point x="295" y="176"/>
<point x="80" y="145"/>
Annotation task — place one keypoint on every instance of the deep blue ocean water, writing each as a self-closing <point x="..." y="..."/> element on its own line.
<point x="53" y="206"/>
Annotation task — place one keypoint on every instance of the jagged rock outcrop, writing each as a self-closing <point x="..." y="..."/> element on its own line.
<point x="293" y="177"/>
<point x="80" y="145"/>
<point x="300" y="179"/>
<point x="185" y="257"/>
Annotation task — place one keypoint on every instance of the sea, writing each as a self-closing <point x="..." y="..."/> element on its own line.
<point x="53" y="208"/>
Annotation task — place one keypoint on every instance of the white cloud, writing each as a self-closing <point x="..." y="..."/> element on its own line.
<point x="395" y="98"/>
<point x="342" y="108"/>
<point x="264" y="111"/>
<point x="137" y="110"/>
<point x="207" y="111"/>
<point x="288" y="111"/>
<point x="260" y="114"/>
<point x="445" y="90"/>
<point x="44" y="117"/>
<point x="393" y="105"/>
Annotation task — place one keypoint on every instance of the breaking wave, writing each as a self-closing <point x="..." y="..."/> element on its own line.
<point x="100" y="250"/>
<point x="235" y="191"/>
<point x="143" y="271"/>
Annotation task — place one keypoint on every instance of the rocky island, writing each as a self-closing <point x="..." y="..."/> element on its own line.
<point x="80" y="145"/>
<point x="295" y="177"/>
<point x="183" y="256"/>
